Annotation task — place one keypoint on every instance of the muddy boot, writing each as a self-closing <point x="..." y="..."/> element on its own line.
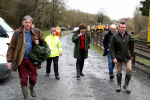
<point x="127" y="80"/>
<point x="81" y="73"/>
<point x="112" y="76"/>
<point x="57" y="77"/>
<point x="25" y="92"/>
<point x="119" y="78"/>
<point x="32" y="91"/>
<point x="78" y="71"/>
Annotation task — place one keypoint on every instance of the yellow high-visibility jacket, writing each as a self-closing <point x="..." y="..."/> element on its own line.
<point x="54" y="44"/>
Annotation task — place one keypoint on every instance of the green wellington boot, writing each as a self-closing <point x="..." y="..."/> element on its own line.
<point x="127" y="80"/>
<point x="119" y="78"/>
<point x="32" y="91"/>
<point x="25" y="92"/>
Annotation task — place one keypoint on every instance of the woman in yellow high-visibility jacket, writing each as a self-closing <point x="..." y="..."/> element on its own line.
<point x="56" y="50"/>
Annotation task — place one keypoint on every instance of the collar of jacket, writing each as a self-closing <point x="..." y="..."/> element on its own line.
<point x="77" y="32"/>
<point x="52" y="36"/>
<point x="109" y="32"/>
<point x="126" y="33"/>
<point x="21" y="30"/>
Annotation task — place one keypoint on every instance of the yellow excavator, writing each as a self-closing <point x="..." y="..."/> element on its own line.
<point x="99" y="28"/>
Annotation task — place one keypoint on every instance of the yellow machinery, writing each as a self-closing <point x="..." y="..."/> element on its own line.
<point x="148" y="35"/>
<point x="117" y="26"/>
<point x="99" y="28"/>
<point x="104" y="27"/>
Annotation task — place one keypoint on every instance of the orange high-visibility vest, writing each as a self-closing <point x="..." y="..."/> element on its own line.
<point x="58" y="31"/>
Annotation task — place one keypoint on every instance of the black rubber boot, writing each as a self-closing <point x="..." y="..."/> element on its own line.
<point x="32" y="91"/>
<point x="78" y="71"/>
<point x="81" y="68"/>
<point x="25" y="92"/>
<point x="127" y="80"/>
<point x="81" y="73"/>
<point x="119" y="78"/>
<point x="57" y="77"/>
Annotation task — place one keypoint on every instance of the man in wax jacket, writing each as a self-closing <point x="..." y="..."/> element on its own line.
<point x="18" y="58"/>
<point x="121" y="50"/>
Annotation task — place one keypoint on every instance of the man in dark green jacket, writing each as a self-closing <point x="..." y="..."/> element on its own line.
<point x="82" y="44"/>
<point x="121" y="50"/>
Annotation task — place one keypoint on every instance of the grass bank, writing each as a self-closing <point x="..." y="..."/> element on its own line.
<point x="97" y="49"/>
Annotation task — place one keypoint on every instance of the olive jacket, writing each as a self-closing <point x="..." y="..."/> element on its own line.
<point x="40" y="53"/>
<point x="77" y="41"/>
<point x="121" y="47"/>
<point x="16" y="48"/>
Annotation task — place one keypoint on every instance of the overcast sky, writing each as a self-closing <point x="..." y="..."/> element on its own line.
<point x="115" y="9"/>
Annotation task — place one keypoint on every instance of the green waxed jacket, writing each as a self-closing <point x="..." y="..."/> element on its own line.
<point x="77" y="41"/>
<point x="40" y="53"/>
<point x="121" y="48"/>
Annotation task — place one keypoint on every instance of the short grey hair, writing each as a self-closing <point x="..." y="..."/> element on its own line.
<point x="27" y="17"/>
<point x="113" y="26"/>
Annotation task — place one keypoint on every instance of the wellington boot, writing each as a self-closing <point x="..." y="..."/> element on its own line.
<point x="25" y="92"/>
<point x="119" y="78"/>
<point x="81" y="73"/>
<point x="78" y="72"/>
<point x="127" y="80"/>
<point x="32" y="91"/>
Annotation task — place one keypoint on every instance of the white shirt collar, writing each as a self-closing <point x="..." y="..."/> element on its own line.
<point x="26" y="31"/>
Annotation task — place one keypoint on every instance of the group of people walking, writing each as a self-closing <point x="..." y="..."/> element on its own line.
<point x="118" y="48"/>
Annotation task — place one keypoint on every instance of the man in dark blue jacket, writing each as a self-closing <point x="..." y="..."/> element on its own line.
<point x="106" y="43"/>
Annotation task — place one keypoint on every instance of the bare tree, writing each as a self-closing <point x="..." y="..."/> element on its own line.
<point x="45" y="13"/>
<point x="101" y="15"/>
<point x="140" y="21"/>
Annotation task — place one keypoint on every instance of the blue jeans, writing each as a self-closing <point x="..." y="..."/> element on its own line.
<point x="111" y="64"/>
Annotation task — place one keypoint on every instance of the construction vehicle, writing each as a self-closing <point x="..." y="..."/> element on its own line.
<point x="99" y="28"/>
<point x="107" y="27"/>
<point x="91" y="28"/>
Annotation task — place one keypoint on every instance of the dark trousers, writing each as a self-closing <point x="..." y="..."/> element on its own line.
<point x="80" y="59"/>
<point x="27" y="68"/>
<point x="55" y="61"/>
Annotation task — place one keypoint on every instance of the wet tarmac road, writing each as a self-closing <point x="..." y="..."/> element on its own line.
<point x="95" y="85"/>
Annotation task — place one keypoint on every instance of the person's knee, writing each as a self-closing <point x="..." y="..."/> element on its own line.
<point x="23" y="83"/>
<point x="118" y="71"/>
<point x="109" y="61"/>
<point x="23" y="80"/>
<point x="79" y="62"/>
<point x="55" y="64"/>
<point x="129" y="71"/>
<point x="33" y="81"/>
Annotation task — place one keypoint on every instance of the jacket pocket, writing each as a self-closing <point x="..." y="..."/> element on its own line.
<point x="128" y="55"/>
<point x="119" y="56"/>
<point x="14" y="65"/>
